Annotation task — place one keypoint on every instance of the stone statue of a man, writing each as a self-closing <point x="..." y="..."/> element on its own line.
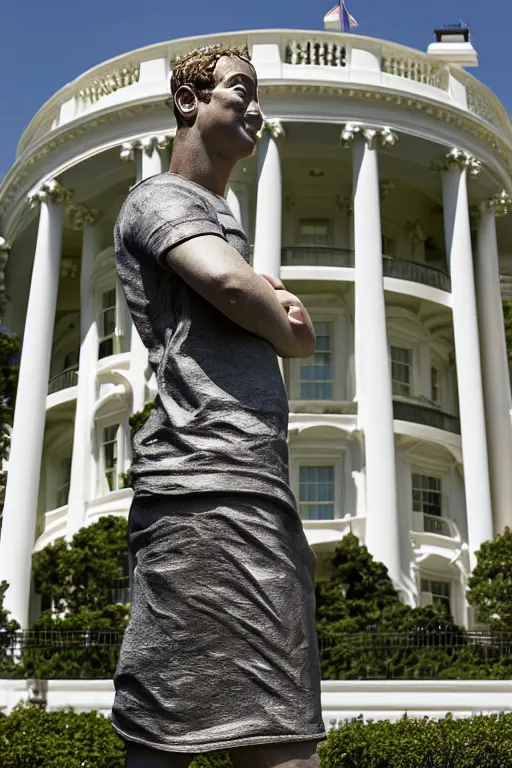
<point x="221" y="649"/>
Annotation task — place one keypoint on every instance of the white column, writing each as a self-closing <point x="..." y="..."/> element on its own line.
<point x="83" y="449"/>
<point x="455" y="168"/>
<point x="267" y="236"/>
<point x="495" y="372"/>
<point x="147" y="153"/>
<point x="373" y="378"/>
<point x="20" y="510"/>
<point x="237" y="197"/>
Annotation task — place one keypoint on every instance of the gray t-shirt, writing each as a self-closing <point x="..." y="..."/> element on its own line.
<point x="220" y="419"/>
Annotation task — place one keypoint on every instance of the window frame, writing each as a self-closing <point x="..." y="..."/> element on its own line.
<point x="319" y="455"/>
<point x="409" y="348"/>
<point x="313" y="220"/>
<point x="119" y="419"/>
<point x="334" y="316"/>
<point x="428" y="579"/>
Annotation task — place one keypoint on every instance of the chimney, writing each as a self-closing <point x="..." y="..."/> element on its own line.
<point x="453" y="45"/>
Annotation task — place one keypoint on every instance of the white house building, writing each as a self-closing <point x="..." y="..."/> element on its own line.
<point x="378" y="193"/>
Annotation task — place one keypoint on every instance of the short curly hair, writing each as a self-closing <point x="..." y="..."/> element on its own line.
<point x="197" y="68"/>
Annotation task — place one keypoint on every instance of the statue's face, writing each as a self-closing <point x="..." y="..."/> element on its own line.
<point x="230" y="121"/>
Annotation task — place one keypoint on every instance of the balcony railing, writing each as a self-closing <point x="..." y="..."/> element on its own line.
<point x="428" y="417"/>
<point x="416" y="273"/>
<point x="63" y="380"/>
<point x="437" y="525"/>
<point x="311" y="256"/>
<point x="319" y="256"/>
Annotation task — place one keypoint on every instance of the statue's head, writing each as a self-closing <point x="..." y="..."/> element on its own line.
<point x="215" y="90"/>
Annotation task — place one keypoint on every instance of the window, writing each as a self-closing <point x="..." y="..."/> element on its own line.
<point x="314" y="232"/>
<point x="434" y="381"/>
<point x="316" y="372"/>
<point x="436" y="593"/>
<point x="63" y="481"/>
<point x="401" y="371"/>
<point x="316" y="492"/>
<point x="426" y="495"/>
<point x="107" y="323"/>
<point x="388" y="246"/>
<point x="110" y="456"/>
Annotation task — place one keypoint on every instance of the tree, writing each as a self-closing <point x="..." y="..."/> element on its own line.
<point x="9" y="368"/>
<point x="8" y="629"/>
<point x="83" y="574"/>
<point x="365" y="631"/>
<point x="80" y="580"/>
<point x="490" y="586"/>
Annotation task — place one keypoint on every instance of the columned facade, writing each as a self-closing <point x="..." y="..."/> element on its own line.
<point x="456" y="167"/>
<point x="83" y="447"/>
<point x="496" y="378"/>
<point x="400" y="422"/>
<point x="267" y="235"/>
<point x="19" y="516"/>
<point x="373" y="380"/>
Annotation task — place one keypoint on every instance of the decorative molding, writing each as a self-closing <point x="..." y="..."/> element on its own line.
<point x="69" y="267"/>
<point x="414" y="230"/>
<point x="373" y="135"/>
<point x="148" y="144"/>
<point x="78" y="215"/>
<point x="499" y="204"/>
<point x="50" y="190"/>
<point x="345" y="203"/>
<point x="39" y="151"/>
<point x="386" y="186"/>
<point x="274" y="128"/>
<point x="459" y="159"/>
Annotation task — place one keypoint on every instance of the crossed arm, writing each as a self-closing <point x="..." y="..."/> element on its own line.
<point x="261" y="305"/>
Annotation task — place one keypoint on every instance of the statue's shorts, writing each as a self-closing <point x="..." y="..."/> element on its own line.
<point x="221" y="648"/>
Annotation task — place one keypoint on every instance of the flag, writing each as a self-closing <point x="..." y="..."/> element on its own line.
<point x="339" y="18"/>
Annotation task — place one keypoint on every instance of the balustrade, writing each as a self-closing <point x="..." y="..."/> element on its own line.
<point x="428" y="417"/>
<point x="63" y="380"/>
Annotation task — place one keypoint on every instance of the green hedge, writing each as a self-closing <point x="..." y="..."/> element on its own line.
<point x="477" y="742"/>
<point x="30" y="737"/>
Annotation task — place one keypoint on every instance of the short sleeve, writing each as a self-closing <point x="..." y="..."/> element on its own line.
<point x="159" y="216"/>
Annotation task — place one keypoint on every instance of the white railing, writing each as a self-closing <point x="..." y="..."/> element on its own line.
<point x="418" y="67"/>
<point x="113" y="81"/>
<point x="322" y="53"/>
<point x="433" y="524"/>
<point x="484" y="104"/>
<point x="359" y="60"/>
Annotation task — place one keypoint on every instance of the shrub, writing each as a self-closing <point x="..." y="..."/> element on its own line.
<point x="477" y="742"/>
<point x="82" y="574"/>
<point x="30" y="737"/>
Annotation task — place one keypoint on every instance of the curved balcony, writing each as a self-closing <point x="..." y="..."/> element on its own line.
<point x="310" y="256"/>
<point x="319" y="256"/>
<point x="288" y="55"/>
<point x="416" y="273"/>
<point x="64" y="380"/>
<point x="426" y="416"/>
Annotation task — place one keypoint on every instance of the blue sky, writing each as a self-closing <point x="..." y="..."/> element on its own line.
<point x="46" y="44"/>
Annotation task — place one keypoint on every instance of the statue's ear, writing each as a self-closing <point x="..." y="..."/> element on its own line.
<point x="185" y="100"/>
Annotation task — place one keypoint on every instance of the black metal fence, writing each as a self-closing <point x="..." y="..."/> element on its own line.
<point x="371" y="655"/>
